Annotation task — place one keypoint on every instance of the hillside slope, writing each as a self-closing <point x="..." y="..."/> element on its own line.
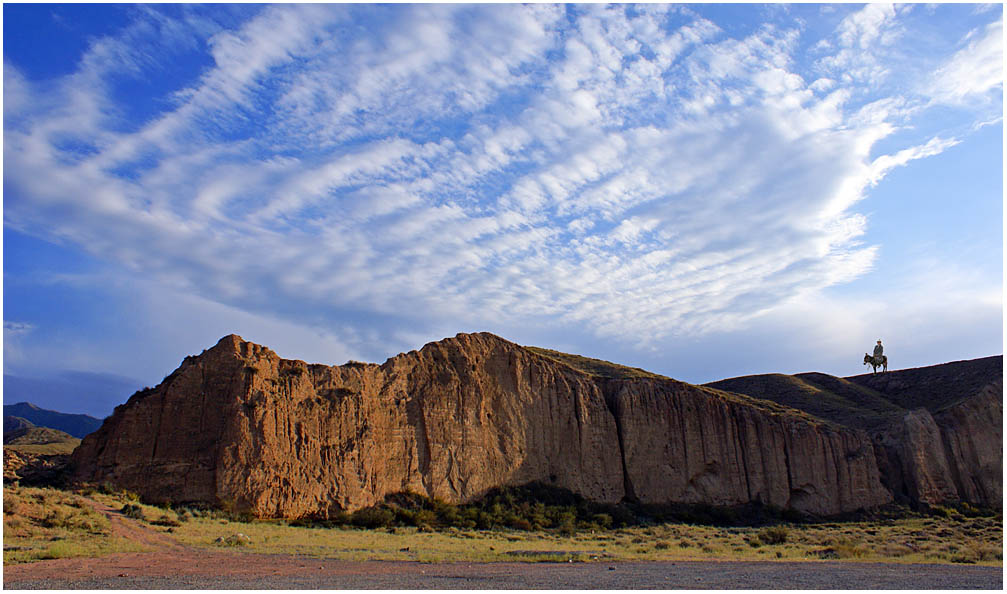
<point x="76" y="425"/>
<point x="238" y="425"/>
<point x="937" y="431"/>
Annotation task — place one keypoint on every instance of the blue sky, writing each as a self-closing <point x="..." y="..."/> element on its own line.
<point x="705" y="191"/>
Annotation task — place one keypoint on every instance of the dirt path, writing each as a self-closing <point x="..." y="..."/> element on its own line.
<point x="133" y="530"/>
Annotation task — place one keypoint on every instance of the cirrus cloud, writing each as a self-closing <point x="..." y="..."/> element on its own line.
<point x="636" y="171"/>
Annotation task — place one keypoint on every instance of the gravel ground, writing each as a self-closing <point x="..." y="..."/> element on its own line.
<point x="341" y="575"/>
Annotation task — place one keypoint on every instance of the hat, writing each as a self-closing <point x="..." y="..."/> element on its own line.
<point x="879" y="340"/>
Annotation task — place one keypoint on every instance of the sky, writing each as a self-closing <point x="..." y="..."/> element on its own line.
<point x="703" y="191"/>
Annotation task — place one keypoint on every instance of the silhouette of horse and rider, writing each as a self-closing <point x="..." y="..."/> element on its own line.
<point x="879" y="359"/>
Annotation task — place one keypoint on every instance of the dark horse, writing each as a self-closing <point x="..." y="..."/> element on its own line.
<point x="869" y="360"/>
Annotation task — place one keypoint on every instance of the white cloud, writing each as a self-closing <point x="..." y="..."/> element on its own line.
<point x="17" y="328"/>
<point x="885" y="163"/>
<point x="633" y="174"/>
<point x="974" y="70"/>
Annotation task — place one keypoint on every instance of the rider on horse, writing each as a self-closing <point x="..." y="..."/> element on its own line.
<point x="878" y="360"/>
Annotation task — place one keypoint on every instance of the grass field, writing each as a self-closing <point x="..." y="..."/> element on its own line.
<point x="46" y="449"/>
<point x="47" y="523"/>
<point x="954" y="540"/>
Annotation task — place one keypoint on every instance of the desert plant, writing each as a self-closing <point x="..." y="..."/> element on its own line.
<point x="372" y="517"/>
<point x="127" y="495"/>
<point x="975" y="553"/>
<point x="234" y="540"/>
<point x="165" y="520"/>
<point x="134" y="511"/>
<point x="773" y="535"/>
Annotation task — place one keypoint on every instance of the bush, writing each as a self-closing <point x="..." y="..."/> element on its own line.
<point x="56" y="518"/>
<point x="132" y="511"/>
<point x="164" y="520"/>
<point x="976" y="553"/>
<point x="603" y="521"/>
<point x="773" y="535"/>
<point x="129" y="496"/>
<point x="372" y="517"/>
<point x="234" y="540"/>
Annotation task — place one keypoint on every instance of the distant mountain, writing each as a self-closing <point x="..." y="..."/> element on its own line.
<point x="76" y="425"/>
<point x="94" y="394"/>
<point x="11" y="423"/>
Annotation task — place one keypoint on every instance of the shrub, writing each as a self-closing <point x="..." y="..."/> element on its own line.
<point x="604" y="521"/>
<point x="846" y="548"/>
<point x="132" y="511"/>
<point x="234" y="540"/>
<point x="975" y="553"/>
<point x="372" y="517"/>
<point x="56" y="518"/>
<point x="519" y="523"/>
<point x="773" y="535"/>
<point x="164" y="520"/>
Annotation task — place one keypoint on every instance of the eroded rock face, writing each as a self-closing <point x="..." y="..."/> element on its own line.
<point x="240" y="426"/>
<point x="687" y="444"/>
<point x="950" y="450"/>
<point x="972" y="436"/>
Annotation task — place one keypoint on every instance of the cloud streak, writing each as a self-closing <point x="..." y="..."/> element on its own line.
<point x="635" y="171"/>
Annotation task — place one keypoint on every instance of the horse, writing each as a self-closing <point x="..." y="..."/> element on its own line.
<point x="869" y="360"/>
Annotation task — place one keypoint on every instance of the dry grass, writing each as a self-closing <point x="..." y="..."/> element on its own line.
<point x="43" y="523"/>
<point x="911" y="540"/>
<point x="46" y="449"/>
<point x="33" y="517"/>
<point x="595" y="367"/>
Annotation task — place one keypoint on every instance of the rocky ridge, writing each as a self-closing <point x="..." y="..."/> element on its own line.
<point x="937" y="431"/>
<point x="241" y="427"/>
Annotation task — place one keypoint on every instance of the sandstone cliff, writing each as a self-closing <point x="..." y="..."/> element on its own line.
<point x="937" y="431"/>
<point x="239" y="426"/>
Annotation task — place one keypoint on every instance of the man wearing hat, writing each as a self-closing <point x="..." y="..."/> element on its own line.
<point x="879" y="351"/>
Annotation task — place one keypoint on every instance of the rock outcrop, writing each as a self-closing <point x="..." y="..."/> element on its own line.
<point x="937" y="431"/>
<point x="241" y="427"/>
